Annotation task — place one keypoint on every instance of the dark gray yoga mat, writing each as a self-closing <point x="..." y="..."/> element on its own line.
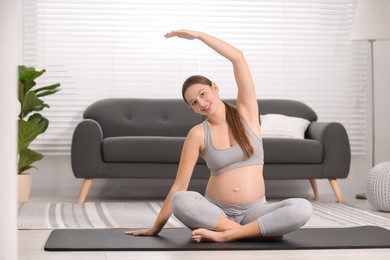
<point x="178" y="239"/>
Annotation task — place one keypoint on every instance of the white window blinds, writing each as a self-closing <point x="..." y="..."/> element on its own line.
<point x="105" y="48"/>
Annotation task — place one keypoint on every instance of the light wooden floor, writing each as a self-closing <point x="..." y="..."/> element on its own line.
<point x="31" y="244"/>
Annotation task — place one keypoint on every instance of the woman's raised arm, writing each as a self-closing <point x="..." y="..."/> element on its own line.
<point x="246" y="97"/>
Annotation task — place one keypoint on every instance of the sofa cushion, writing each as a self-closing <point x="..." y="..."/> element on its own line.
<point x="158" y="149"/>
<point x="281" y="126"/>
<point x="291" y="150"/>
<point x="143" y="149"/>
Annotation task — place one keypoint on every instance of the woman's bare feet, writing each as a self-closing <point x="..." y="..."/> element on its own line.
<point x="202" y="234"/>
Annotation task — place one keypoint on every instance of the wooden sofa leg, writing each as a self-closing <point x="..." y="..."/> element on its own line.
<point x="336" y="190"/>
<point x="314" y="187"/>
<point x="84" y="190"/>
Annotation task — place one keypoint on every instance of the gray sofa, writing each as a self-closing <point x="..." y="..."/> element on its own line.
<point x="142" y="138"/>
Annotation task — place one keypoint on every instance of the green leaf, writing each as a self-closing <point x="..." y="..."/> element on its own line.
<point x="31" y="103"/>
<point x="26" y="158"/>
<point x="48" y="90"/>
<point x="25" y="168"/>
<point x="29" y="73"/>
<point x="20" y="92"/>
<point x="41" y="121"/>
<point x="27" y="85"/>
<point x="27" y="132"/>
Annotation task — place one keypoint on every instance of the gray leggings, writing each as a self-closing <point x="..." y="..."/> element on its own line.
<point x="274" y="219"/>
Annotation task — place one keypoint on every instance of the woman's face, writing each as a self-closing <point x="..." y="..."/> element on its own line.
<point x="202" y="98"/>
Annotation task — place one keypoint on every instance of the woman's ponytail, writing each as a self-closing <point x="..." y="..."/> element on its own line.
<point x="236" y="126"/>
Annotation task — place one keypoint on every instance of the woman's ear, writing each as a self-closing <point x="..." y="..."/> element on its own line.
<point x="215" y="87"/>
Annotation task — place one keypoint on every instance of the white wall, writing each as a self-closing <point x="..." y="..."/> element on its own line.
<point x="9" y="53"/>
<point x="382" y="100"/>
<point x="55" y="177"/>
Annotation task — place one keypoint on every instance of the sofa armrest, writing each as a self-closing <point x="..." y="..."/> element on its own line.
<point x="86" y="151"/>
<point x="336" y="148"/>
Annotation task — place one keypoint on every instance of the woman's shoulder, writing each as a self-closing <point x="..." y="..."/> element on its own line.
<point x="195" y="137"/>
<point x="197" y="131"/>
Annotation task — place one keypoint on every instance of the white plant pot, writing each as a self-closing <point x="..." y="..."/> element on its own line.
<point x="24" y="186"/>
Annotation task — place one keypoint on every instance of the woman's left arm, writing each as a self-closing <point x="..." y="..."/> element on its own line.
<point x="246" y="97"/>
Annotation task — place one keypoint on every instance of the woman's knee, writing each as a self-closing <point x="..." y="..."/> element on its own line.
<point x="193" y="210"/>
<point x="182" y="199"/>
<point x="303" y="210"/>
<point x="183" y="202"/>
<point x="286" y="216"/>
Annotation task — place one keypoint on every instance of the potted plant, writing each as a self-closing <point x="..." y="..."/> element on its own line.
<point x="30" y="124"/>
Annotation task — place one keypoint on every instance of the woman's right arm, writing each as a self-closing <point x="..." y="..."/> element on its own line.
<point x="189" y="157"/>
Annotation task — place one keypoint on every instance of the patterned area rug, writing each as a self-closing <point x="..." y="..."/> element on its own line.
<point x="44" y="215"/>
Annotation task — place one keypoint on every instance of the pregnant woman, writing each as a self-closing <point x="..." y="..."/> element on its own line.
<point x="234" y="206"/>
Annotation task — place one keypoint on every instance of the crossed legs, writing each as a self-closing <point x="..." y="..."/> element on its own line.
<point x="250" y="230"/>
<point x="261" y="220"/>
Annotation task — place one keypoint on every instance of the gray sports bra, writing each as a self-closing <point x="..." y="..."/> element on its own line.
<point x="222" y="160"/>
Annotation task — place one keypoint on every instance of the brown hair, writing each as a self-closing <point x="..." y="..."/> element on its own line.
<point x="232" y="117"/>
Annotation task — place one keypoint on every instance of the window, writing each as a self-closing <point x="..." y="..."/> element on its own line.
<point x="105" y="48"/>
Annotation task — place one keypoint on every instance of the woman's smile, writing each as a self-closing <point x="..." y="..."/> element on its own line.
<point x="206" y="108"/>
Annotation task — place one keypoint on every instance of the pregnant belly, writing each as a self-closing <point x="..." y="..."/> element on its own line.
<point x="237" y="186"/>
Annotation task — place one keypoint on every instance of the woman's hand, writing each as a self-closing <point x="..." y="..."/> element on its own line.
<point x="142" y="232"/>
<point x="186" y="34"/>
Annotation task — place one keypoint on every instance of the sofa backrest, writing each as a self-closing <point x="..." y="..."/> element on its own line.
<point x="170" y="117"/>
<point x="287" y="107"/>
<point x="143" y="117"/>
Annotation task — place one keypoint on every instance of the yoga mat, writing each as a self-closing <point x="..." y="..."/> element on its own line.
<point x="179" y="239"/>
